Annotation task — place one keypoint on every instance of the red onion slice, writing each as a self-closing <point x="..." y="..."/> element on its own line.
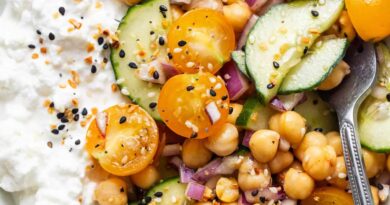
<point x="256" y="4"/>
<point x="185" y="174"/>
<point x="101" y="121"/>
<point x="213" y="112"/>
<point x="237" y="84"/>
<point x="169" y="70"/>
<point x="242" y="200"/>
<point x="247" y="137"/>
<point x="195" y="191"/>
<point x="244" y="35"/>
<point x="180" y="2"/>
<point x="229" y="165"/>
<point x="176" y="161"/>
<point x="284" y="103"/>
<point x="171" y="150"/>
<point x="265" y="7"/>
<point x="208" y="171"/>
<point x="289" y="202"/>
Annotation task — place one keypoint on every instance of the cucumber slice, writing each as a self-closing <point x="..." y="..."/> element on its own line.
<point x="254" y="115"/>
<point x="173" y="192"/>
<point x="318" y="114"/>
<point x="134" y="33"/>
<point x="278" y="39"/>
<point x="239" y="58"/>
<point x="315" y="67"/>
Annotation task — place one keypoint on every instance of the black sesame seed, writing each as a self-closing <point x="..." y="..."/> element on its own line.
<point x="97" y="145"/>
<point x="158" y="194"/>
<point x="163" y="8"/>
<point x="380" y="186"/>
<point x="93" y="69"/>
<point x="60" y="115"/>
<point x="152" y="105"/>
<point x="64" y="120"/>
<point x="51" y="104"/>
<point x="122" y="53"/>
<point x="55" y="131"/>
<point x="122" y="189"/>
<point x="100" y="40"/>
<point x="77" y="142"/>
<point x="305" y="50"/>
<point x="224" y="97"/>
<point x="152" y="32"/>
<point x="318" y="129"/>
<point x="213" y="93"/>
<point x="61" y="127"/>
<point x="148" y="199"/>
<point x="230" y="110"/>
<point x="39" y="32"/>
<point x="315" y="102"/>
<point x="133" y="65"/>
<point x="161" y="41"/>
<point x="61" y="10"/>
<point x="194" y="135"/>
<point x="243" y="48"/>
<point x="182" y="43"/>
<point x="105" y="46"/>
<point x="170" y="56"/>
<point x="75" y="110"/>
<point x="275" y="64"/>
<point x="156" y="75"/>
<point x="314" y="13"/>
<point x="189" y="88"/>
<point x="262" y="199"/>
<point x="76" y="117"/>
<point x="52" y="36"/>
<point x="31" y="46"/>
<point x="122" y="120"/>
<point x="84" y="112"/>
<point x="255" y="192"/>
<point x="270" y="86"/>
<point x="388" y="97"/>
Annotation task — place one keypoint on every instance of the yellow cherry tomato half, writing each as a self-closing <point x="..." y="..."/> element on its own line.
<point x="194" y="105"/>
<point x="201" y="39"/>
<point x="371" y="18"/>
<point x="123" y="138"/>
<point x="327" y="196"/>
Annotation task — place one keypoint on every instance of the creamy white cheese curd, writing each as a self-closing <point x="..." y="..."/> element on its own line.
<point x="36" y="165"/>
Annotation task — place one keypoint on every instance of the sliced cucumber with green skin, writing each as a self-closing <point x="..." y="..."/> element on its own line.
<point x="318" y="114"/>
<point x="239" y="58"/>
<point x="139" y="29"/>
<point x="315" y="67"/>
<point x="173" y="192"/>
<point x="254" y="115"/>
<point x="277" y="41"/>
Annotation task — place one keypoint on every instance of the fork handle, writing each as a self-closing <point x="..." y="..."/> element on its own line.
<point x="354" y="162"/>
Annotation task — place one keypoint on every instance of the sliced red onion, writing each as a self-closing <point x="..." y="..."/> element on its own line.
<point x="176" y="161"/>
<point x="289" y="202"/>
<point x="185" y="174"/>
<point x="229" y="165"/>
<point x="237" y="84"/>
<point x="213" y="112"/>
<point x="208" y="171"/>
<point x="195" y="191"/>
<point x="244" y="35"/>
<point x="256" y="4"/>
<point x="169" y="70"/>
<point x="180" y="2"/>
<point x="265" y="7"/>
<point x="101" y="121"/>
<point x="270" y="193"/>
<point x="171" y="150"/>
<point x="242" y="200"/>
<point x="247" y="137"/>
<point x="284" y="103"/>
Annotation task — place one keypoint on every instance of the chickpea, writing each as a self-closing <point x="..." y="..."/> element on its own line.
<point x="375" y="195"/>
<point x="388" y="163"/>
<point x="227" y="189"/>
<point x="232" y="117"/>
<point x="281" y="161"/>
<point x="195" y="154"/>
<point x="335" y="77"/>
<point x="211" y="4"/>
<point x="292" y="127"/>
<point x="298" y="184"/>
<point x="224" y="142"/>
<point x="274" y="122"/>
<point x="176" y="12"/>
<point x="374" y="162"/>
<point x="146" y="177"/>
<point x="334" y="140"/>
<point x="311" y="139"/>
<point x="112" y="191"/>
<point x="264" y="145"/>
<point x="339" y="176"/>
<point x="253" y="175"/>
<point x="237" y="14"/>
<point x="131" y="2"/>
<point x="319" y="162"/>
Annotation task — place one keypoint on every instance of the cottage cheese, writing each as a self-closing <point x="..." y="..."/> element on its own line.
<point x="29" y="168"/>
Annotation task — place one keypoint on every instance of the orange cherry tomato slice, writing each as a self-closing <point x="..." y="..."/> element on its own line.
<point x="201" y="39"/>
<point x="194" y="105"/>
<point x="123" y="138"/>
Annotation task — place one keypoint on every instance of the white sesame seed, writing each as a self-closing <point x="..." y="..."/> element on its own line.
<point x="124" y="91"/>
<point x="158" y="200"/>
<point x="173" y="199"/>
<point x="273" y="190"/>
<point x="226" y="76"/>
<point x="266" y="172"/>
<point x="151" y="94"/>
<point x="210" y="66"/>
<point x="212" y="80"/>
<point x="177" y="50"/>
<point x="125" y="159"/>
<point x="218" y="86"/>
<point x="120" y="80"/>
<point x="190" y="64"/>
<point x="328" y="178"/>
<point x="322" y="2"/>
<point x="143" y="150"/>
<point x="342" y="175"/>
<point x="251" y="39"/>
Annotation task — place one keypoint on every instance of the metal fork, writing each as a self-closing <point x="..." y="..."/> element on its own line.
<point x="346" y="100"/>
